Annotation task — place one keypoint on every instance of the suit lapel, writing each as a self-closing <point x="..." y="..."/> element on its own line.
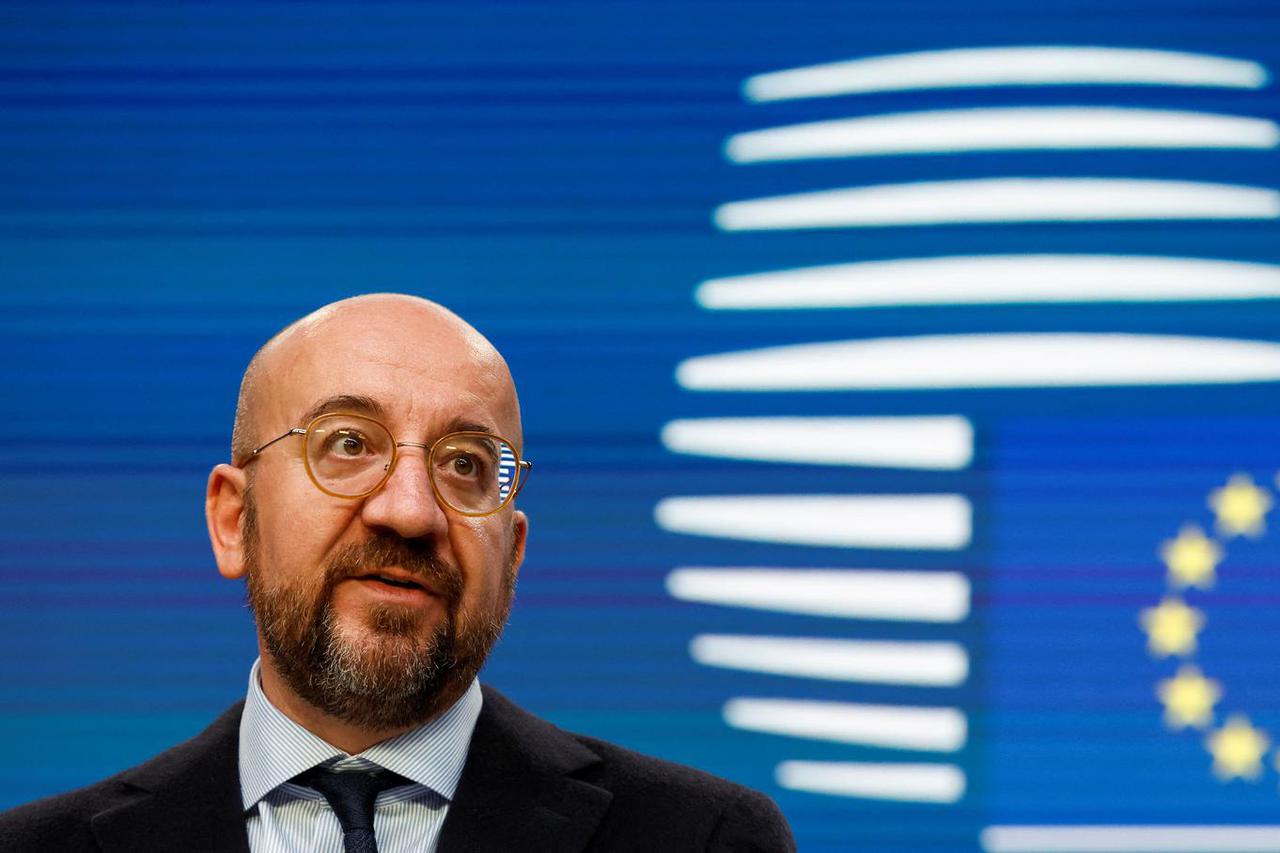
<point x="516" y="792"/>
<point x="186" y="799"/>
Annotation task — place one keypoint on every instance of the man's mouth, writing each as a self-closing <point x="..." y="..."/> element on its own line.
<point x="397" y="579"/>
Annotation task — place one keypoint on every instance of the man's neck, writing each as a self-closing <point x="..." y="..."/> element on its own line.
<point x="346" y="736"/>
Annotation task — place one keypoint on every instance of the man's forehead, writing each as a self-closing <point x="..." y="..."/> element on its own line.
<point x="466" y="416"/>
<point x="399" y="357"/>
<point x="415" y="364"/>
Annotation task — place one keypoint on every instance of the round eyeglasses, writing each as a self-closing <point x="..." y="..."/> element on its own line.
<point x="351" y="456"/>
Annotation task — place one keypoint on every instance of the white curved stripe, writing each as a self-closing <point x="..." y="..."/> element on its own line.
<point x="1030" y="65"/>
<point x="885" y="726"/>
<point x="896" y="595"/>
<point x="935" y="443"/>
<point x="986" y="361"/>
<point x="1002" y="129"/>
<point x="916" y="783"/>
<point x="1000" y="200"/>
<point x="923" y="664"/>
<point x="928" y="522"/>
<point x="994" y="279"/>
<point x="1177" y="838"/>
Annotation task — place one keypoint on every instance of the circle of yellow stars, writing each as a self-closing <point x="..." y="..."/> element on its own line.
<point x="1172" y="627"/>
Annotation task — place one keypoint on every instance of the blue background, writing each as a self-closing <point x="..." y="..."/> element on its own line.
<point x="179" y="181"/>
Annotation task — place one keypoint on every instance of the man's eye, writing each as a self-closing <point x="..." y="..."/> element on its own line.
<point x="348" y="445"/>
<point x="464" y="465"/>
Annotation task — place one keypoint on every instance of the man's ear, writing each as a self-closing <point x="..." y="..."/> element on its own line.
<point x="224" y="513"/>
<point x="520" y="530"/>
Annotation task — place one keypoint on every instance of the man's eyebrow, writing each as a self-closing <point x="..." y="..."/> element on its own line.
<point x="356" y="403"/>
<point x="362" y="405"/>
<point x="463" y="425"/>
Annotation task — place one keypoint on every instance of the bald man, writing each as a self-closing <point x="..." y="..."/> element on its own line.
<point x="369" y="506"/>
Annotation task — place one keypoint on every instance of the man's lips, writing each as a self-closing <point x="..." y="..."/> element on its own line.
<point x="397" y="579"/>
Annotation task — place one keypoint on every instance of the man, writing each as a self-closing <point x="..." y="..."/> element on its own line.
<point x="369" y="508"/>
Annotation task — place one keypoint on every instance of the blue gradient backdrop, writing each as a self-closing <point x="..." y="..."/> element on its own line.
<point x="180" y="180"/>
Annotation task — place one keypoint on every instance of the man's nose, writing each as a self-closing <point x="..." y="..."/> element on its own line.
<point x="406" y="503"/>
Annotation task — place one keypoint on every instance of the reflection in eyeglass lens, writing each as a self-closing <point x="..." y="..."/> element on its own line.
<point x="466" y="471"/>
<point x="348" y="454"/>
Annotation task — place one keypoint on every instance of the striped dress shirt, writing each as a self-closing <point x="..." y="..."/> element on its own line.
<point x="282" y="817"/>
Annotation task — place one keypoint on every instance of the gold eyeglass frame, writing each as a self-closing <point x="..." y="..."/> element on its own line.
<point x="523" y="466"/>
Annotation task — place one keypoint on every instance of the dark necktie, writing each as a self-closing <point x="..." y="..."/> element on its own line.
<point x="352" y="795"/>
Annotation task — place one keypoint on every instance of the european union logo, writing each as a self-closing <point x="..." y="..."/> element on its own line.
<point x="1044" y="547"/>
<point x="1129" y="613"/>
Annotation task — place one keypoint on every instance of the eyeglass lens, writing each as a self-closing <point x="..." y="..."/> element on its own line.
<point x="349" y="455"/>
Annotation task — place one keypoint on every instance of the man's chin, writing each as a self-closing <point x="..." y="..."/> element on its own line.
<point x="391" y="643"/>
<point x="389" y="623"/>
<point x="379" y="679"/>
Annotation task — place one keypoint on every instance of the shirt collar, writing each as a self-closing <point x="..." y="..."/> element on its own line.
<point x="274" y="749"/>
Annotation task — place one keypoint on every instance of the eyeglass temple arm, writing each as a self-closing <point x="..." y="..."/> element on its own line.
<point x="257" y="450"/>
<point x="526" y="466"/>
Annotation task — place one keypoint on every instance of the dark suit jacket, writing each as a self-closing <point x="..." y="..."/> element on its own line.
<point x="526" y="786"/>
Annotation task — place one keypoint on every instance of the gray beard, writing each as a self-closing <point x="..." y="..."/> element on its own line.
<point x="392" y="676"/>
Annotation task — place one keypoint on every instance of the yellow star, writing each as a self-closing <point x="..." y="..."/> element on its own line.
<point x="1240" y="506"/>
<point x="1171" y="628"/>
<point x="1191" y="558"/>
<point x="1237" y="749"/>
<point x="1188" y="698"/>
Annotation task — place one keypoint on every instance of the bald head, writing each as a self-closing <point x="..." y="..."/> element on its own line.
<point x="415" y="341"/>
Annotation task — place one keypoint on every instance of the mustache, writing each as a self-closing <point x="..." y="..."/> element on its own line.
<point x="383" y="550"/>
